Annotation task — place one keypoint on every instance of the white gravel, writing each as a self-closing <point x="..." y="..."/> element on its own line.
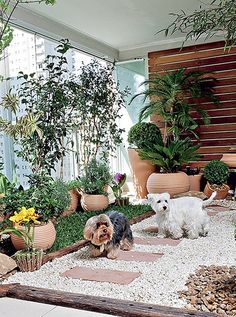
<point x="160" y="281"/>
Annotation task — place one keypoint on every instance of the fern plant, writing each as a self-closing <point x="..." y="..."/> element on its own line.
<point x="171" y="156"/>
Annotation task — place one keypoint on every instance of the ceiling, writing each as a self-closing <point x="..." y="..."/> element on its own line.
<point x="117" y="28"/>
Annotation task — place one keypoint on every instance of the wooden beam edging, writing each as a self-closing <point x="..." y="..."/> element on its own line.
<point x="82" y="243"/>
<point x="103" y="305"/>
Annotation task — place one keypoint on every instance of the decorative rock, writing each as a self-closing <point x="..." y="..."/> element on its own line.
<point x="213" y="289"/>
<point x="7" y="264"/>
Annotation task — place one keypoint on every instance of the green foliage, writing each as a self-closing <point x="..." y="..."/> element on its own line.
<point x="218" y="16"/>
<point x="100" y="102"/>
<point x="143" y="133"/>
<point x="49" y="200"/>
<point x="24" y="125"/>
<point x="169" y="95"/>
<point x="96" y="177"/>
<point x="5" y="185"/>
<point x="70" y="229"/>
<point x="172" y="155"/>
<point x="216" y="172"/>
<point x="52" y="100"/>
<point x="73" y="184"/>
<point x="7" y="8"/>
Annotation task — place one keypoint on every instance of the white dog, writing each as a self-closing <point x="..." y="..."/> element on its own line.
<point x="181" y="216"/>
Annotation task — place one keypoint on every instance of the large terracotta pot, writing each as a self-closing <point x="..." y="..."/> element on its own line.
<point x="172" y="183"/>
<point x="195" y="182"/>
<point x="44" y="237"/>
<point x="141" y="170"/>
<point x="74" y="200"/>
<point x="221" y="192"/>
<point x="229" y="159"/>
<point x="94" y="202"/>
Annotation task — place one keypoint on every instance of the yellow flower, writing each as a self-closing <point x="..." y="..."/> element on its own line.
<point x="25" y="216"/>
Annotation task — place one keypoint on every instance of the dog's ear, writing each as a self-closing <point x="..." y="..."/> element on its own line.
<point x="166" y="196"/>
<point x="151" y="197"/>
<point x="89" y="229"/>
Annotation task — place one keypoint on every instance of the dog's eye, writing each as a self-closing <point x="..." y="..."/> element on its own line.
<point x="158" y="201"/>
<point x="106" y="224"/>
<point x="98" y="225"/>
<point x="165" y="201"/>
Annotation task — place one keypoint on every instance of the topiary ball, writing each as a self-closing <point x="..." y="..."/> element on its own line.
<point x="216" y="172"/>
<point x="143" y="134"/>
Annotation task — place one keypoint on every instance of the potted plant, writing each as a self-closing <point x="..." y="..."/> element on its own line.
<point x="93" y="186"/>
<point x="216" y="173"/>
<point x="73" y="187"/>
<point x="169" y="157"/>
<point x="169" y="94"/>
<point x="98" y="110"/>
<point x="116" y="186"/>
<point x="140" y="136"/>
<point x="24" y="238"/>
<point x="195" y="177"/>
<point x="52" y="99"/>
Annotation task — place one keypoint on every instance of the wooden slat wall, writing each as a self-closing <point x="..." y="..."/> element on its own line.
<point x="220" y="135"/>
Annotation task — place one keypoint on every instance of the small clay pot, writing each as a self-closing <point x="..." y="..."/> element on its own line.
<point x="222" y="191"/>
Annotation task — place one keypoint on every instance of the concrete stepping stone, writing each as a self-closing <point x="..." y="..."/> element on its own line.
<point x="101" y="275"/>
<point x="139" y="256"/>
<point x="219" y="208"/>
<point x="212" y="213"/>
<point x="151" y="229"/>
<point x="156" y="241"/>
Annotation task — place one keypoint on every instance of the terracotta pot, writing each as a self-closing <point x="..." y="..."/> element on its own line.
<point x="195" y="182"/>
<point x="75" y="197"/>
<point x="229" y="159"/>
<point x="94" y="202"/>
<point x="44" y="237"/>
<point x="141" y="170"/>
<point x="221" y="192"/>
<point x="172" y="183"/>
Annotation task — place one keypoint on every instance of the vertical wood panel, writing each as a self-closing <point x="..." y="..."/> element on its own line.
<point x="220" y="135"/>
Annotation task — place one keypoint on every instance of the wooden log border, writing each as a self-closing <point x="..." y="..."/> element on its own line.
<point x="82" y="243"/>
<point x="103" y="305"/>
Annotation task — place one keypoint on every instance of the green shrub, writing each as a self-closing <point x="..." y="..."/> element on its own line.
<point x="144" y="133"/>
<point x="171" y="156"/>
<point x="216" y="172"/>
<point x="73" y="184"/>
<point x="49" y="200"/>
<point x="96" y="177"/>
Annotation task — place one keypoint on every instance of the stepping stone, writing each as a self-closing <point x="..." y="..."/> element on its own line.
<point x="101" y="275"/>
<point x="151" y="229"/>
<point x="212" y="213"/>
<point x="219" y="208"/>
<point x="139" y="256"/>
<point x="156" y="241"/>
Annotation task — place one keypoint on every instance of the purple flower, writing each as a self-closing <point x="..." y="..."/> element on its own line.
<point x="120" y="178"/>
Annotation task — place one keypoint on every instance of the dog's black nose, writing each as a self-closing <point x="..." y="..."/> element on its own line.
<point x="105" y="230"/>
<point x="164" y="207"/>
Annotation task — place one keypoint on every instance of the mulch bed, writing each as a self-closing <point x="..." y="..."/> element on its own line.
<point x="212" y="288"/>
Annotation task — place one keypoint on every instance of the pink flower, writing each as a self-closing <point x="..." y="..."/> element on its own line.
<point x="120" y="178"/>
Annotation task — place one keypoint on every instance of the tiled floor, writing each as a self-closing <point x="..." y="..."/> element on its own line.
<point x="10" y="307"/>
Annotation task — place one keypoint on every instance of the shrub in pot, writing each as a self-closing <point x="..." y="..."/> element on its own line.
<point x="49" y="199"/>
<point x="169" y="157"/>
<point x="140" y="136"/>
<point x="73" y="187"/>
<point x="93" y="186"/>
<point x="216" y="173"/>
